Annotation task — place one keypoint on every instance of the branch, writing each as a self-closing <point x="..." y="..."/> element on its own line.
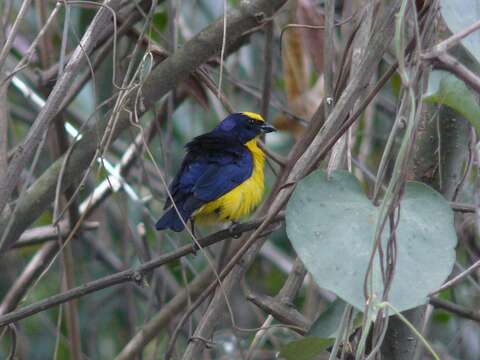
<point x="4" y="120"/>
<point x="441" y="48"/>
<point x="285" y="313"/>
<point x="462" y="208"/>
<point x="449" y="63"/>
<point x="329" y="57"/>
<point x="456" y="309"/>
<point x="456" y="279"/>
<point x="281" y="306"/>
<point x="41" y="234"/>
<point x="133" y="274"/>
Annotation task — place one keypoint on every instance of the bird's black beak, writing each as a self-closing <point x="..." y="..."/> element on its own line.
<point x="266" y="128"/>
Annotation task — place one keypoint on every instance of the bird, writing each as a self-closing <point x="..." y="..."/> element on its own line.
<point x="221" y="177"/>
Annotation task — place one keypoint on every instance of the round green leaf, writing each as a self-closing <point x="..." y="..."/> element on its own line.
<point x="446" y="89"/>
<point x="307" y="348"/>
<point x="327" y="324"/>
<point x="331" y="225"/>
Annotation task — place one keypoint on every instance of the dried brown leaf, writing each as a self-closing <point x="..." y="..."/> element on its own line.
<point x="312" y="39"/>
<point x="293" y="62"/>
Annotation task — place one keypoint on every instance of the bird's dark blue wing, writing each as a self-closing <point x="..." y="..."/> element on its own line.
<point x="219" y="179"/>
<point x="210" y="169"/>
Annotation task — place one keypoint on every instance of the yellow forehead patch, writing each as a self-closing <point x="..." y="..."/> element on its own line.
<point x="253" y="115"/>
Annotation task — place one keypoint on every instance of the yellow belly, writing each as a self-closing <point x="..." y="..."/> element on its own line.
<point x="241" y="200"/>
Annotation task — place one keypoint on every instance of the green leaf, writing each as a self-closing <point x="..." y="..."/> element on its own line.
<point x="160" y="19"/>
<point x="396" y="83"/>
<point x="441" y="317"/>
<point x="307" y="348"/>
<point x="460" y="14"/>
<point x="326" y="325"/>
<point x="331" y="225"/>
<point x="446" y="89"/>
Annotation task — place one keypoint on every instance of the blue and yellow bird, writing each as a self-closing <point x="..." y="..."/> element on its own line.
<point x="222" y="175"/>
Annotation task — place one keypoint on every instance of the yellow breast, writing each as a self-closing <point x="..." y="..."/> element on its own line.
<point x="240" y="201"/>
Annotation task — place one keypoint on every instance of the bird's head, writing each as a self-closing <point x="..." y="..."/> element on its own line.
<point x="243" y="126"/>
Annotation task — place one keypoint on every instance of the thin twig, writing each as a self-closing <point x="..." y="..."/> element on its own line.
<point x="457" y="278"/>
<point x="13" y="32"/>
<point x="13" y="346"/>
<point x="455" y="309"/>
<point x="442" y="48"/>
<point x="329" y="57"/>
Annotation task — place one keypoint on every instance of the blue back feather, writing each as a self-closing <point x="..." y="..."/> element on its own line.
<point x="215" y="163"/>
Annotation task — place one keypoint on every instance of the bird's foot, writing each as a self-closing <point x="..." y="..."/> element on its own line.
<point x="195" y="248"/>
<point x="233" y="230"/>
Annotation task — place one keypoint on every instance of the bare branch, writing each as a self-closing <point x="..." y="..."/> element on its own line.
<point x="41" y="234"/>
<point x="456" y="309"/>
<point x="442" y="48"/>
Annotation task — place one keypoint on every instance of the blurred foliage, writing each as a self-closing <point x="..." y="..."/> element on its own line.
<point x="109" y="318"/>
<point x="307" y="348"/>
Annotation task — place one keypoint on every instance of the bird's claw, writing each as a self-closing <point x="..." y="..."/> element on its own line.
<point x="233" y="230"/>
<point x="195" y="248"/>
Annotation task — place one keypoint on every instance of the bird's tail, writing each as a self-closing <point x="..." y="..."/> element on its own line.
<point x="171" y="220"/>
